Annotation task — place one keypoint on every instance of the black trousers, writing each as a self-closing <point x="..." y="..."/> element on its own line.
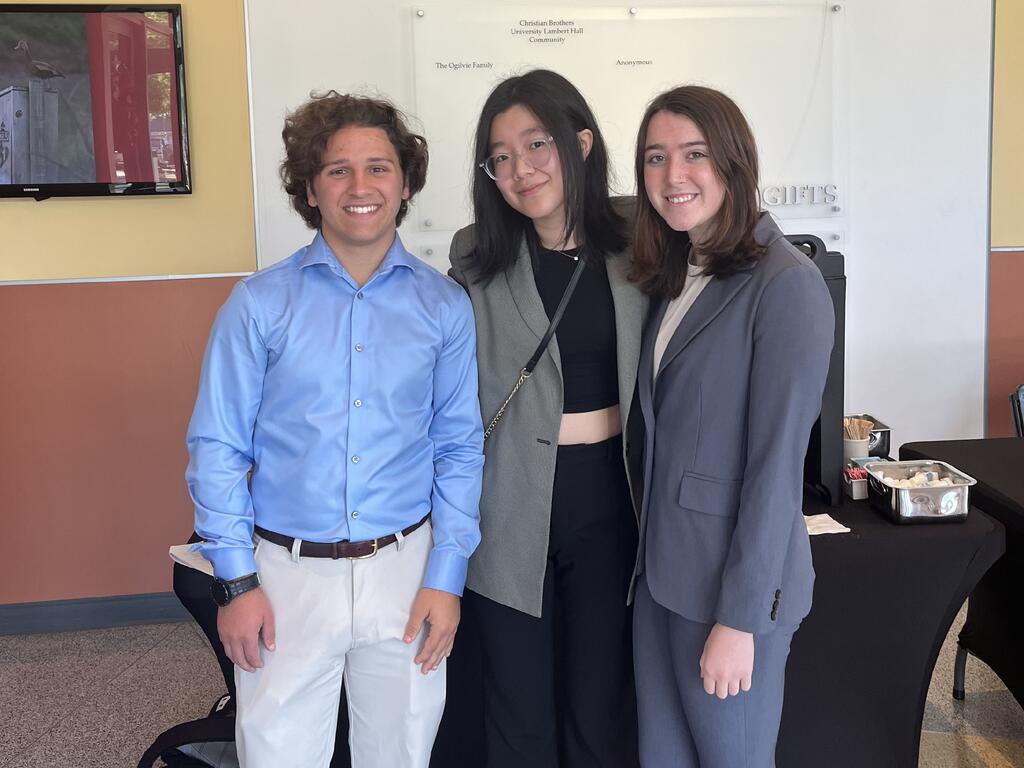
<point x="558" y="690"/>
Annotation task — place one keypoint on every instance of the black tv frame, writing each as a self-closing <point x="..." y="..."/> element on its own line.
<point x="44" y="191"/>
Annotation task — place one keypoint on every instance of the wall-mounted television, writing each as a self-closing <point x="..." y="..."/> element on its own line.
<point x="92" y="101"/>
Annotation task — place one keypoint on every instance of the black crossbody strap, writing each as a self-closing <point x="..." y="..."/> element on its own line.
<point x="556" y="318"/>
<point x="527" y="370"/>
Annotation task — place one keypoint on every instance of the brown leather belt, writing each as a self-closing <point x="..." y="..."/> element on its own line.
<point x="353" y="550"/>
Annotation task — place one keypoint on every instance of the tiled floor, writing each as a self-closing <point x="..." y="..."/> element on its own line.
<point x="97" y="699"/>
<point x="986" y="730"/>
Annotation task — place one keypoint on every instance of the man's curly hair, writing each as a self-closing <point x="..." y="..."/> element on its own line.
<point x="309" y="128"/>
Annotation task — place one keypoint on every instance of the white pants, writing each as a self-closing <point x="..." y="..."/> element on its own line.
<point x="338" y="618"/>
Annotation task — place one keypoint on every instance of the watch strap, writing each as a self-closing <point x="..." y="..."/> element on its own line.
<point x="239" y="586"/>
<point x="243" y="584"/>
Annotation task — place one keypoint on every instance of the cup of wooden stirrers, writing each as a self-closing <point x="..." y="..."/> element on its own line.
<point x="856" y="433"/>
<point x="857" y="429"/>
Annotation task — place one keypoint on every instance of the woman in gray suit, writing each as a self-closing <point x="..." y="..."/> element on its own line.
<point x="732" y="371"/>
<point x="548" y="585"/>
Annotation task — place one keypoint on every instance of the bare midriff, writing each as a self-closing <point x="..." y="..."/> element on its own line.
<point x="589" y="427"/>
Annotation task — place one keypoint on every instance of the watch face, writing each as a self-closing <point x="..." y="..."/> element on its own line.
<point x="220" y="591"/>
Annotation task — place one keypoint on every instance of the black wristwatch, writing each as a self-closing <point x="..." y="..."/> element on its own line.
<point x="225" y="591"/>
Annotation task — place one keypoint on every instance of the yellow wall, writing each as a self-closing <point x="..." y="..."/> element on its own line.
<point x="1008" y="127"/>
<point x="210" y="231"/>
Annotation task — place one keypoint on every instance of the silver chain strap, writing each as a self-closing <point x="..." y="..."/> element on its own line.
<point x="527" y="370"/>
<point x="523" y="376"/>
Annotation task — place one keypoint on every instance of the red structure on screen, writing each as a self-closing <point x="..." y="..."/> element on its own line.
<point x="133" y="81"/>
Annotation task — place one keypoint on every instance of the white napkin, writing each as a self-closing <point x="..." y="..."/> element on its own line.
<point x="182" y="553"/>
<point x="823" y="524"/>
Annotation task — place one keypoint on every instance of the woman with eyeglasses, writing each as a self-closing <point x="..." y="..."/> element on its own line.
<point x="547" y="587"/>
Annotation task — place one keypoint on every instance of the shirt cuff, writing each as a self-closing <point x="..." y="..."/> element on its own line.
<point x="229" y="562"/>
<point x="446" y="571"/>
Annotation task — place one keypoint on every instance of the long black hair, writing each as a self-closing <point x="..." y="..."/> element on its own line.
<point x="589" y="215"/>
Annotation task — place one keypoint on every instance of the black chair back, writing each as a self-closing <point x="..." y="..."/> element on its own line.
<point x="1017" y="406"/>
<point x="823" y="465"/>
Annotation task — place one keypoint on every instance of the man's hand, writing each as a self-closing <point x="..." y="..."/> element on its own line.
<point x="441" y="610"/>
<point x="727" y="663"/>
<point x="241" y="622"/>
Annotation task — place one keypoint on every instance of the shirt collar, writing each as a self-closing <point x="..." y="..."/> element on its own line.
<point x="319" y="252"/>
<point x="398" y="256"/>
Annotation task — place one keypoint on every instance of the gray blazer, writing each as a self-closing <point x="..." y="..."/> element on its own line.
<point x="722" y="535"/>
<point x="519" y="472"/>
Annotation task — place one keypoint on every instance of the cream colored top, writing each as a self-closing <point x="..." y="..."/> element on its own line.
<point x="677" y="309"/>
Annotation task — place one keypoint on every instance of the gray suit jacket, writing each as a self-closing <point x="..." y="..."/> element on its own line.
<point x="515" y="507"/>
<point x="727" y="423"/>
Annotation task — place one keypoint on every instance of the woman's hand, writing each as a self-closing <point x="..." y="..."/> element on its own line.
<point x="727" y="663"/>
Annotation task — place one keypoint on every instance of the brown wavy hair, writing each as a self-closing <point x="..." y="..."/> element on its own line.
<point x="309" y="128"/>
<point x="659" y="252"/>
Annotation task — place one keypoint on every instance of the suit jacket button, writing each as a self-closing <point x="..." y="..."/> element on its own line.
<point x="778" y="593"/>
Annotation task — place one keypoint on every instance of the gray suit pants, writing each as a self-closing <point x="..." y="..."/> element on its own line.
<point x="681" y="726"/>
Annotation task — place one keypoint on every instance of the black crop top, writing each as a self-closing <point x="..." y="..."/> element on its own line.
<point x="586" y="334"/>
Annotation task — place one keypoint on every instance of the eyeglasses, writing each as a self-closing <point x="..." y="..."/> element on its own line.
<point x="535" y="154"/>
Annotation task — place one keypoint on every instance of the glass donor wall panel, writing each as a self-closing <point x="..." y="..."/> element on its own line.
<point x="778" y="61"/>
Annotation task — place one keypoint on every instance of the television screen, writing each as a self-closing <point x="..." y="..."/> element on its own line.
<point x="92" y="100"/>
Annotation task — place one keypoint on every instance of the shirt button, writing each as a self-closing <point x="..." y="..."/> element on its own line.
<point x="355" y="459"/>
<point x="359" y="295"/>
<point x="359" y="347"/>
<point x="355" y="513"/>
<point x="358" y="403"/>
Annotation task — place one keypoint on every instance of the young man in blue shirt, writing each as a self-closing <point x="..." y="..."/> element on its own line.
<point x="344" y="380"/>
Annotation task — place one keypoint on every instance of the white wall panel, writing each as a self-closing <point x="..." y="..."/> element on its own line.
<point x="906" y="87"/>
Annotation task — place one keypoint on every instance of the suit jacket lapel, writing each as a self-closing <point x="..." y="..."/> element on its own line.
<point x="645" y="376"/>
<point x="523" y="288"/>
<point x="630" y="306"/>
<point x="712" y="300"/>
<point x="645" y="387"/>
<point x="716" y="295"/>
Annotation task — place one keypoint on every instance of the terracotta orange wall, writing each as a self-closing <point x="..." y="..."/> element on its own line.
<point x="97" y="382"/>
<point x="1005" y="338"/>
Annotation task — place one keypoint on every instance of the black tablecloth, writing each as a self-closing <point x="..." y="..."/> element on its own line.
<point x="885" y="596"/>
<point x="996" y="463"/>
<point x="994" y="630"/>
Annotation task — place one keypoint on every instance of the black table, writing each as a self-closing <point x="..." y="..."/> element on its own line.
<point x="859" y="668"/>
<point x="994" y="630"/>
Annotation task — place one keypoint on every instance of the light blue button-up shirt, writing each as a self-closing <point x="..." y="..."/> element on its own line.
<point x="355" y="408"/>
